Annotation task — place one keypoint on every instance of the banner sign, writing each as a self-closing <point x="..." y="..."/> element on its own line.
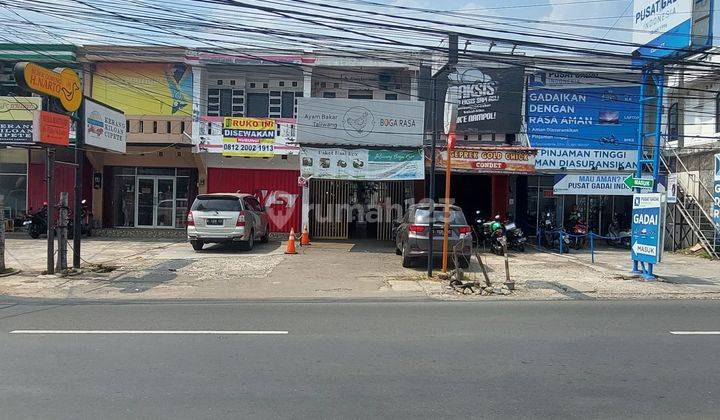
<point x="489" y="99"/>
<point x="488" y="160"/>
<point x="590" y="184"/>
<point x="51" y="128"/>
<point x="662" y="27"/>
<point x="16" y="119"/>
<point x="585" y="160"/>
<point x="647" y="228"/>
<point x="358" y="122"/>
<point x="209" y="138"/>
<point x="63" y="84"/>
<point x="578" y="114"/>
<point x="716" y="200"/>
<point x="145" y="88"/>
<point x="362" y="164"/>
<point x="248" y="137"/>
<point x="104" y="127"/>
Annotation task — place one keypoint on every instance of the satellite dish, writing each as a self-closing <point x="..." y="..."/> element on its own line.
<point x="451" y="110"/>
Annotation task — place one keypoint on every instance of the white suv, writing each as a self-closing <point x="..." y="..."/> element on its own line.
<point x="227" y="218"/>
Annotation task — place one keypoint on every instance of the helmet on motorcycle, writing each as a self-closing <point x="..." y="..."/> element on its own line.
<point x="497" y="217"/>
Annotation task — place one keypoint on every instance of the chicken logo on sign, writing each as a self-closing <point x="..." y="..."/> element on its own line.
<point x="358" y="121"/>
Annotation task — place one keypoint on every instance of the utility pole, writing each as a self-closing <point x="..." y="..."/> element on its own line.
<point x="49" y="169"/>
<point x="62" y="233"/>
<point x="437" y="89"/>
<point x="79" y="166"/>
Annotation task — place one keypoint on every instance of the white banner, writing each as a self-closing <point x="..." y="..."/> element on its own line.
<point x="362" y="164"/>
<point x="210" y="138"/>
<point x="104" y="127"/>
<point x="654" y="18"/>
<point x="360" y="122"/>
<point x="561" y="159"/>
<point x="591" y="184"/>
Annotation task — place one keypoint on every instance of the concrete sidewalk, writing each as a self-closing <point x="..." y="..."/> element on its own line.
<point x="167" y="269"/>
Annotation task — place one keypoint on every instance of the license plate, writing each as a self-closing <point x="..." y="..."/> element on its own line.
<point x="214" y="222"/>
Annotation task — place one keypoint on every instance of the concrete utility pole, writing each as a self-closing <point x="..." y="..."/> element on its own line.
<point x="49" y="169"/>
<point x="79" y="162"/>
<point x="62" y="233"/>
<point x="438" y="92"/>
<point x="2" y="234"/>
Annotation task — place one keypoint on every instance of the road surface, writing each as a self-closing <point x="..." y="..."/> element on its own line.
<point x="382" y="359"/>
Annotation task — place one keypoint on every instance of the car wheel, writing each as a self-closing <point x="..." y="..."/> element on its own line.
<point x="407" y="262"/>
<point x="250" y="243"/>
<point x="197" y="245"/>
<point x="266" y="237"/>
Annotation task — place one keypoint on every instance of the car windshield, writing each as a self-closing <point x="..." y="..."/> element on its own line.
<point x="423" y="216"/>
<point x="216" y="204"/>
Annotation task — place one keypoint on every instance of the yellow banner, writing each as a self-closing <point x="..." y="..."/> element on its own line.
<point x="249" y="137"/>
<point x="145" y="88"/>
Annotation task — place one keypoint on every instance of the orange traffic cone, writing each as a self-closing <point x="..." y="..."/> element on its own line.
<point x="291" y="243"/>
<point x="305" y="237"/>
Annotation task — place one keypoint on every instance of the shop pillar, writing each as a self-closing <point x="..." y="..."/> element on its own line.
<point x="500" y="194"/>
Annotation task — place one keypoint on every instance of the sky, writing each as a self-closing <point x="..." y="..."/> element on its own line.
<point x="313" y="24"/>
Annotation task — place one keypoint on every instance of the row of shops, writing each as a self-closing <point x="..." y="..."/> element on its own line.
<point x="338" y="145"/>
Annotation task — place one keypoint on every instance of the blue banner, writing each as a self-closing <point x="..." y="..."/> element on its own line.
<point x="647" y="228"/>
<point x="584" y="117"/>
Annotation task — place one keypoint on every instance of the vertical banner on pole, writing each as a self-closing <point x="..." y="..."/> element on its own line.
<point x="647" y="229"/>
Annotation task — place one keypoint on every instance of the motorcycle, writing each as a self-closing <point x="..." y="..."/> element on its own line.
<point x="497" y="240"/>
<point x="551" y="237"/>
<point x="579" y="230"/>
<point x="85" y="221"/>
<point x="516" y="238"/>
<point x="36" y="222"/>
<point x="617" y="237"/>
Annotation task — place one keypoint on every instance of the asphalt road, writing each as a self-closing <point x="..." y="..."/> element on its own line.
<point x="385" y="359"/>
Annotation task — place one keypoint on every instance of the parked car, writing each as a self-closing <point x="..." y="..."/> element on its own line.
<point x="238" y="218"/>
<point x="412" y="234"/>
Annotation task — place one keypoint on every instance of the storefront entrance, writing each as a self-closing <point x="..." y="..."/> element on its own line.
<point x="155" y="202"/>
<point x="148" y="197"/>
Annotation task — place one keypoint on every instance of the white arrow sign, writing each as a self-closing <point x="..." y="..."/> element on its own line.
<point x="644" y="249"/>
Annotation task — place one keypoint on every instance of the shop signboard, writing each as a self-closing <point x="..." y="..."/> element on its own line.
<point x="590" y="184"/>
<point x="489" y="99"/>
<point x="716" y="200"/>
<point x="248" y="137"/>
<point x="583" y="121"/>
<point x="647" y="227"/>
<point x="356" y="122"/>
<point x="362" y="164"/>
<point x="671" y="28"/>
<point x="104" y="127"/>
<point x="585" y="160"/>
<point x="63" y="83"/>
<point x="16" y="119"/>
<point x="209" y="137"/>
<point x="51" y="128"/>
<point x="472" y="160"/>
<point x="145" y="88"/>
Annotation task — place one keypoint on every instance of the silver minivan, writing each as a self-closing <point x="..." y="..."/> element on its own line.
<point x="220" y="217"/>
<point x="412" y="234"/>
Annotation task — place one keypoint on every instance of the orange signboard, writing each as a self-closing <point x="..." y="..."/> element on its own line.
<point x="51" y="128"/>
<point x="489" y="160"/>
<point x="63" y="84"/>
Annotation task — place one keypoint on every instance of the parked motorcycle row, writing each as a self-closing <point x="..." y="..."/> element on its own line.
<point x="492" y="233"/>
<point x="36" y="221"/>
<point x="574" y="235"/>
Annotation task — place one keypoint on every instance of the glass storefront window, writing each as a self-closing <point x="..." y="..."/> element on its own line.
<point x="124" y="201"/>
<point x="156" y="171"/>
<point x="181" y="201"/>
<point x="14" y="188"/>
